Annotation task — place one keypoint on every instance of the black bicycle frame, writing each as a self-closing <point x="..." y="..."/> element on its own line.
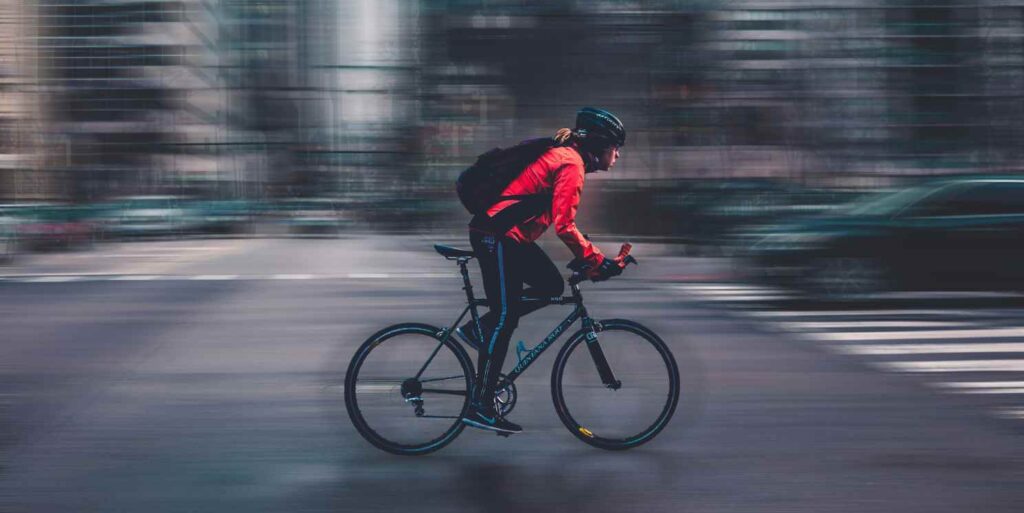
<point x="578" y="312"/>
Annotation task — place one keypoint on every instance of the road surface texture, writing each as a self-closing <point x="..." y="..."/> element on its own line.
<point x="205" y="376"/>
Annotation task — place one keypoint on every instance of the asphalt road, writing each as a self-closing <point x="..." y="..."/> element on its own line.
<point x="205" y="376"/>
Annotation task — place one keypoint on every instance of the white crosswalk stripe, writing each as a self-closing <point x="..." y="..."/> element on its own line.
<point x="775" y="314"/>
<point x="935" y="344"/>
<point x="983" y="387"/>
<point x="956" y="366"/>
<point x="891" y="349"/>
<point x="967" y="385"/>
<point x="1010" y="413"/>
<point x="830" y="325"/>
<point x="844" y="336"/>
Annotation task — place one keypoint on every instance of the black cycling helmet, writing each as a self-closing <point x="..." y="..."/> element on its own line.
<point x="599" y="128"/>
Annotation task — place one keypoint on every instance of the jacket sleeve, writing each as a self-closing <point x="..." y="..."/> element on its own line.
<point x="564" y="202"/>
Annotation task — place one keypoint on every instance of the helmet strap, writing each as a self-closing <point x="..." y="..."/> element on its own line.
<point x="590" y="161"/>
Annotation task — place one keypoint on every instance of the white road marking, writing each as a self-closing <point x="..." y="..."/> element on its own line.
<point x="1010" y="413"/>
<point x="138" y="277"/>
<point x="981" y="384"/>
<point x="132" y="255"/>
<point x="12" y="276"/>
<point x="761" y="297"/>
<point x="214" y="277"/>
<point x="910" y="332"/>
<point x="292" y="277"/>
<point x="990" y="391"/>
<point x="895" y="349"/>
<point x="827" y="325"/>
<point x="727" y="289"/>
<point x="368" y="275"/>
<point x="52" y="279"/>
<point x="917" y="335"/>
<point x="955" y="366"/>
<point x="856" y="313"/>
<point x="714" y="291"/>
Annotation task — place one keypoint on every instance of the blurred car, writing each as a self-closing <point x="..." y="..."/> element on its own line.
<point x="309" y="216"/>
<point x="707" y="214"/>
<point x="49" y="225"/>
<point x="950" y="234"/>
<point x="225" y="216"/>
<point x="8" y="237"/>
<point x="743" y="204"/>
<point x="148" y="216"/>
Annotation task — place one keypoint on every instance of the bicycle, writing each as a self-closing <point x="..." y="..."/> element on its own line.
<point x="414" y="374"/>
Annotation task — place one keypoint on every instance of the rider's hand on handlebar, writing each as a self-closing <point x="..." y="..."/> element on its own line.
<point x="609" y="267"/>
<point x="612" y="266"/>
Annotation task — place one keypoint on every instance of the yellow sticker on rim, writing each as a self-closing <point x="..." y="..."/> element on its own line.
<point x="586" y="432"/>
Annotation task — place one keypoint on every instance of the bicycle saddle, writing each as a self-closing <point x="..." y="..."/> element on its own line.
<point x="450" y="252"/>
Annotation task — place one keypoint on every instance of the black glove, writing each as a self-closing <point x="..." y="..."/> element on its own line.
<point x="578" y="265"/>
<point x="607" y="269"/>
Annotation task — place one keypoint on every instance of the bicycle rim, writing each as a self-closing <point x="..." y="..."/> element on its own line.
<point x="381" y="391"/>
<point x="616" y="417"/>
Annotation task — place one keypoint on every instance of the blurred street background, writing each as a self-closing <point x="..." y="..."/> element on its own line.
<point x="207" y="205"/>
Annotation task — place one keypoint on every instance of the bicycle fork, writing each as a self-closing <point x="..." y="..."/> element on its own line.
<point x="594" y="347"/>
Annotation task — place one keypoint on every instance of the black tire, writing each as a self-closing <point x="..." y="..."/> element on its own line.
<point x="628" y="346"/>
<point x="406" y="347"/>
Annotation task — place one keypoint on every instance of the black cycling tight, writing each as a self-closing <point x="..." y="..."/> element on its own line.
<point x="506" y="266"/>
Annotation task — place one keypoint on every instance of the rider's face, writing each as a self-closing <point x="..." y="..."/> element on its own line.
<point x="608" y="157"/>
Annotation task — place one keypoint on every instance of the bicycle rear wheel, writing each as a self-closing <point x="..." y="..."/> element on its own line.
<point x="636" y="406"/>
<point x="397" y="408"/>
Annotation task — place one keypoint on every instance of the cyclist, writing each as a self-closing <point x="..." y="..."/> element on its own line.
<point x="503" y="241"/>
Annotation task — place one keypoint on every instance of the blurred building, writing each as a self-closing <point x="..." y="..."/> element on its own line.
<point x="383" y="102"/>
<point x="129" y="94"/>
<point x="851" y="92"/>
<point x="367" y="62"/>
<point x="20" y="149"/>
<point x="268" y="90"/>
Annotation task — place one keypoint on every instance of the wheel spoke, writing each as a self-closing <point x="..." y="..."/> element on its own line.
<point x="379" y="407"/>
<point x="444" y="392"/>
<point x="431" y="380"/>
<point x="616" y="416"/>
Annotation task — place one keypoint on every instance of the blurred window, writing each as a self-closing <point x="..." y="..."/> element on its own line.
<point x="947" y="201"/>
<point x="992" y="198"/>
<point x="887" y="204"/>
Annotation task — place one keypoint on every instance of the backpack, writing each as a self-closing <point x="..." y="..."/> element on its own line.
<point x="480" y="186"/>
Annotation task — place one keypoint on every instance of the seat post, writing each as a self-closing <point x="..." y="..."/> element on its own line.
<point x="470" y="299"/>
<point x="466" y="285"/>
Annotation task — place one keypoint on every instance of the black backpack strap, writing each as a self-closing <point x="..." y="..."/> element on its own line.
<point x="528" y="206"/>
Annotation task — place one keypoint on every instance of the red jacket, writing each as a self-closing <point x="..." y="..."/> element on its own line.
<point x="560" y="172"/>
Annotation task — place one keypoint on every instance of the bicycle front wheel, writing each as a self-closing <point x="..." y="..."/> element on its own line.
<point x="618" y="390"/>
<point x="406" y="391"/>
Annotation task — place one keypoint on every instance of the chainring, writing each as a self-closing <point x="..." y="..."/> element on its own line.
<point x="505" y="396"/>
